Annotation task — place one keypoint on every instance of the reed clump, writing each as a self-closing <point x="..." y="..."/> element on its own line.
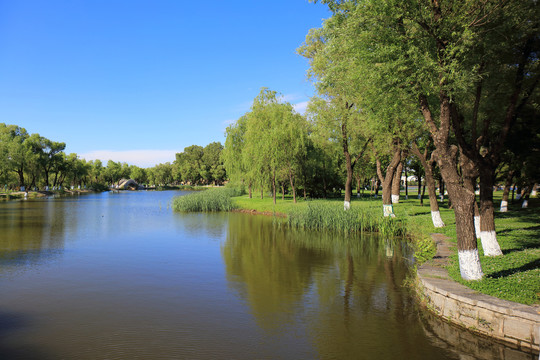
<point x="216" y="199"/>
<point x="331" y="216"/>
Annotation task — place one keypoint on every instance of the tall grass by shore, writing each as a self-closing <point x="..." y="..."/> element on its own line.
<point x="217" y="199"/>
<point x="331" y="216"/>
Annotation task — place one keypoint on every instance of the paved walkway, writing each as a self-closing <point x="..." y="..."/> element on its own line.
<point x="515" y="324"/>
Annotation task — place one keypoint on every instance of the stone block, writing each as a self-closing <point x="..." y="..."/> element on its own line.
<point x="468" y="311"/>
<point x="451" y="309"/>
<point x="437" y="301"/>
<point x="518" y="329"/>
<point x="491" y="322"/>
<point x="512" y="354"/>
<point x="469" y="322"/>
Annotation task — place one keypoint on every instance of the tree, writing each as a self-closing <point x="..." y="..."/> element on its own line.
<point x="50" y="153"/>
<point x="190" y="163"/>
<point x="271" y="140"/>
<point x="212" y="165"/>
<point x="234" y="154"/>
<point x="434" y="55"/>
<point x="339" y="122"/>
<point x="17" y="150"/>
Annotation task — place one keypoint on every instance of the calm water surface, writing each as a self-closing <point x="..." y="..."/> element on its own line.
<point x="121" y="276"/>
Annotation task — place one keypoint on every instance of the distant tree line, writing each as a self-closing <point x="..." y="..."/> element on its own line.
<point x="29" y="161"/>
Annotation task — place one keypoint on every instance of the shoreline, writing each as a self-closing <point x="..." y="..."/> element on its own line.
<point x="41" y="193"/>
<point x="515" y="324"/>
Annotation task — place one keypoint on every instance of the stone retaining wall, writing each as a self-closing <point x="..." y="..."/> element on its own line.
<point x="513" y="323"/>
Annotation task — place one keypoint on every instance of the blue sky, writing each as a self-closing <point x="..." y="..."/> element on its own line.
<point x="136" y="81"/>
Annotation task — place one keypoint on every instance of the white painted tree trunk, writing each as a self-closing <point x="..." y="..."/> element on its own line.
<point x="346" y="205"/>
<point x="388" y="210"/>
<point x="504" y="206"/>
<point x="489" y="243"/>
<point x="437" y="220"/>
<point x="395" y="199"/>
<point x="477" y="226"/>
<point x="525" y="204"/>
<point x="469" y="265"/>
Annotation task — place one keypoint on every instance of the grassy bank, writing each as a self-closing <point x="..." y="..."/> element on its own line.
<point x="513" y="276"/>
<point x="213" y="199"/>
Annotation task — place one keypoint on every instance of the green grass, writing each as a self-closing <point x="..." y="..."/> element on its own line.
<point x="214" y="199"/>
<point x="514" y="276"/>
<point x="319" y="215"/>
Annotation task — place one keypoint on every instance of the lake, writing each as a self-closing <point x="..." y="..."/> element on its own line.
<point x="119" y="275"/>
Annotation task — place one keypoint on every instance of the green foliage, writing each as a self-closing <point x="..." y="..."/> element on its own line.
<point x="268" y="144"/>
<point x="98" y="187"/>
<point x="217" y="199"/>
<point x="198" y="165"/>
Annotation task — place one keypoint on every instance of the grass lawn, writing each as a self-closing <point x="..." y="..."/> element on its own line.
<point x="514" y="276"/>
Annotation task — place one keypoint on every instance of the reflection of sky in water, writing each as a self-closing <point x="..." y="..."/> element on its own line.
<point x="123" y="276"/>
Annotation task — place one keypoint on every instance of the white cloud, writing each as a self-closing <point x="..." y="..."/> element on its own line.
<point x="301" y="107"/>
<point x="141" y="158"/>
<point x="291" y="97"/>
<point x="227" y="123"/>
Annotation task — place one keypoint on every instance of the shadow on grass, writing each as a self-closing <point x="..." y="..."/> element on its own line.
<point x="504" y="273"/>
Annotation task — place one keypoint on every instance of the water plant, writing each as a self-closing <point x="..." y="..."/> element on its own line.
<point x="216" y="199"/>
<point x="331" y="216"/>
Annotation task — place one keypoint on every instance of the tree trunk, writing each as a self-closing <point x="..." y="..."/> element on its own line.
<point x="470" y="173"/>
<point x="46" y="175"/>
<point x="388" y="209"/>
<point x="462" y="199"/>
<point x="274" y="185"/>
<point x="441" y="189"/>
<point x="526" y="194"/>
<point x="488" y="236"/>
<point x="423" y="194"/>
<point x="249" y="190"/>
<point x="396" y="183"/>
<point x="430" y="181"/>
<point x="506" y="191"/>
<point x="533" y="190"/>
<point x="419" y="186"/>
<point x="348" y="182"/>
<point x="282" y="191"/>
<point x="406" y="184"/>
<point x="291" y="179"/>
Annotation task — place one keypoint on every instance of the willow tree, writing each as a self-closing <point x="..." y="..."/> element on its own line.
<point x="267" y="143"/>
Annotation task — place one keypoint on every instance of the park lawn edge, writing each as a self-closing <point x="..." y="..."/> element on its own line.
<point x="513" y="276"/>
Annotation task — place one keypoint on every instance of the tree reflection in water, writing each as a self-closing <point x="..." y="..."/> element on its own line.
<point x="345" y="293"/>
